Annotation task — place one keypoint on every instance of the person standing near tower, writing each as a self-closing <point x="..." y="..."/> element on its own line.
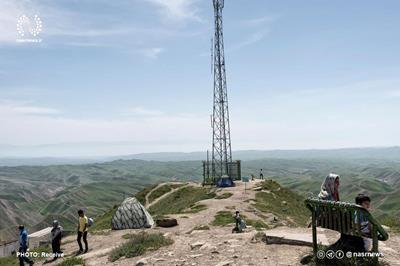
<point x="261" y="175"/>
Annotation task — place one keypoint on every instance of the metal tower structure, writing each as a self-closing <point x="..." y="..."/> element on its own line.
<point x="221" y="145"/>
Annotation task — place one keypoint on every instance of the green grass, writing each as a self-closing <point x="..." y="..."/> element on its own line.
<point x="141" y="195"/>
<point x="139" y="244"/>
<point x="155" y="194"/>
<point x="223" y="218"/>
<point x="103" y="222"/>
<point x="9" y="261"/>
<point x="181" y="200"/>
<point x="282" y="202"/>
<point x="72" y="261"/>
<point x="196" y="208"/>
<point x="257" y="224"/>
<point x="392" y="222"/>
<point x="224" y="195"/>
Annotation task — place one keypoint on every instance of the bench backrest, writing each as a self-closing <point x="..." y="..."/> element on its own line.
<point x="343" y="217"/>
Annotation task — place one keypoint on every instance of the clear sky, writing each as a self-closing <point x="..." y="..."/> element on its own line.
<point x="300" y="74"/>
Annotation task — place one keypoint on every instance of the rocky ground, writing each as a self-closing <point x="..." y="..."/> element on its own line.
<point x="217" y="246"/>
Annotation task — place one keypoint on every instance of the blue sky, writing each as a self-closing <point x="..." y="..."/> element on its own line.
<point x="301" y="74"/>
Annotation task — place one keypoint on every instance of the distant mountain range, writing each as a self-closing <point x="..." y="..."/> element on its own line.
<point x="245" y="155"/>
<point x="11" y="155"/>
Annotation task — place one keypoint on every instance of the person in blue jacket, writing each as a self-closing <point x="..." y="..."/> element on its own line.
<point x="23" y="246"/>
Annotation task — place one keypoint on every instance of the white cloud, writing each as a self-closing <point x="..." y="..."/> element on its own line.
<point x="151" y="53"/>
<point x="10" y="11"/>
<point x="260" y="21"/>
<point x="33" y="110"/>
<point x="177" y="9"/>
<point x="252" y="39"/>
<point x="19" y="108"/>
<point x="259" y="28"/>
<point x="56" y="21"/>
<point x="69" y="28"/>
<point x="140" y="111"/>
<point x="311" y="118"/>
<point x="150" y="129"/>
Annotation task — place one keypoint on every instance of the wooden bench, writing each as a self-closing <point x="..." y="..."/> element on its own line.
<point x="341" y="217"/>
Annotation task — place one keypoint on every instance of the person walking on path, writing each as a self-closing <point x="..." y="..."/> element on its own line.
<point x="23" y="247"/>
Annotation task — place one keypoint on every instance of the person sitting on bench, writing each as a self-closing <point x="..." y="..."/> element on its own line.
<point x="330" y="191"/>
<point x="362" y="221"/>
<point x="330" y="188"/>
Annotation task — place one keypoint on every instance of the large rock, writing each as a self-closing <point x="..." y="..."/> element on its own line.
<point x="131" y="215"/>
<point x="167" y="222"/>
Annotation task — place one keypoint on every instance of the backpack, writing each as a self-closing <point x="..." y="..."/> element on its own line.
<point x="90" y="222"/>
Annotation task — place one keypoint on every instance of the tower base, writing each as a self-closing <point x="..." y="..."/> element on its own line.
<point x="234" y="173"/>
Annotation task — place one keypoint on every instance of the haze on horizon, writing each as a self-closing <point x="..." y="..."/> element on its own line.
<point x="137" y="73"/>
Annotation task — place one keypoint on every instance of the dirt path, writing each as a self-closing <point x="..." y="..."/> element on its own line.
<point x="149" y="204"/>
<point x="217" y="246"/>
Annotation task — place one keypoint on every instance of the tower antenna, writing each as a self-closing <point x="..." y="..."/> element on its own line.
<point x="223" y="170"/>
<point x="221" y="141"/>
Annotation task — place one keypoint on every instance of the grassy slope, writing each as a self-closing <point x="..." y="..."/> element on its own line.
<point x="181" y="200"/>
<point x="224" y="218"/>
<point x="282" y="202"/>
<point x="103" y="221"/>
<point x="357" y="176"/>
<point x="139" y="244"/>
<point x="162" y="190"/>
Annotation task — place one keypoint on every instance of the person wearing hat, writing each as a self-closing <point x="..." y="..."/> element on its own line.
<point x="23" y="246"/>
<point x="56" y="234"/>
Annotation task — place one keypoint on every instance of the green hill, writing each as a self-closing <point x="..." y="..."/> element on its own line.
<point x="34" y="195"/>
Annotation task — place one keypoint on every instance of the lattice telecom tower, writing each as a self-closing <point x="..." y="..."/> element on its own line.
<point x="221" y="157"/>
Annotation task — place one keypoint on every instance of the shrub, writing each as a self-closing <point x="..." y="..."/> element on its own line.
<point x="138" y="244"/>
<point x="73" y="261"/>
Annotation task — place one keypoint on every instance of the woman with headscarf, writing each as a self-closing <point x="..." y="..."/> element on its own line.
<point x="330" y="191"/>
<point x="330" y="188"/>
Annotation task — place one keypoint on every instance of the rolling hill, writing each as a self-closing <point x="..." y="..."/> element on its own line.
<point x="34" y="195"/>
